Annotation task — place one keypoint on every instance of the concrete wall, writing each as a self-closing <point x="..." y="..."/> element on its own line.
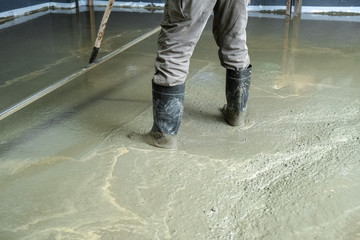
<point x="7" y="5"/>
<point x="15" y="8"/>
<point x="346" y="3"/>
<point x="340" y="3"/>
<point x="330" y="3"/>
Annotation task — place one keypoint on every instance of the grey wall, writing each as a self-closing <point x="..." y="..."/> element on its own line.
<point x="7" y="5"/>
<point x="345" y="3"/>
<point x="340" y="3"/>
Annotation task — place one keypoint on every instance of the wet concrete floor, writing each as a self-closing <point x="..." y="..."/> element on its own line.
<point x="42" y="51"/>
<point x="68" y="170"/>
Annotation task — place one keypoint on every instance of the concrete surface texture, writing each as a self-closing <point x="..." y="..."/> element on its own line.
<point x="68" y="170"/>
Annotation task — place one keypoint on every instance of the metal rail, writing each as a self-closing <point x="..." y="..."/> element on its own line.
<point x="13" y="109"/>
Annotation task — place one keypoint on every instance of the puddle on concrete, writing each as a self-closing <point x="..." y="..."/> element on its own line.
<point x="68" y="171"/>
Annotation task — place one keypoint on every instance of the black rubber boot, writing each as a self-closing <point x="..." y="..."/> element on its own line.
<point x="168" y="107"/>
<point x="237" y="94"/>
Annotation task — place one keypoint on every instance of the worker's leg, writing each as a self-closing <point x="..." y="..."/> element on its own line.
<point x="229" y="30"/>
<point x="182" y="26"/>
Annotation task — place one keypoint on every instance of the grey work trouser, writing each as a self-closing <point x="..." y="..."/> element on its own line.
<point x="182" y="25"/>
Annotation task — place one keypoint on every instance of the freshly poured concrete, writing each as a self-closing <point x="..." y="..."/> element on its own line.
<point x="41" y="51"/>
<point x="68" y="170"/>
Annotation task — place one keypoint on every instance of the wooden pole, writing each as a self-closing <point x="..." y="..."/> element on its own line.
<point x="288" y="7"/>
<point x="298" y="6"/>
<point x="91" y="2"/>
<point x="101" y="31"/>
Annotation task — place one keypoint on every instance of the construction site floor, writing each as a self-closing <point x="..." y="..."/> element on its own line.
<point x="69" y="171"/>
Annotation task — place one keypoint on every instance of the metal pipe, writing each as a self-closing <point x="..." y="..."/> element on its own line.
<point x="13" y="109"/>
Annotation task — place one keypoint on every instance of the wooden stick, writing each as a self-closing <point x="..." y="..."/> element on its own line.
<point x="101" y="31"/>
<point x="288" y="7"/>
<point x="298" y="7"/>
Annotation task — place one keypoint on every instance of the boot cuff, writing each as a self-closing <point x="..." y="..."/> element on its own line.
<point x="173" y="90"/>
<point x="240" y="74"/>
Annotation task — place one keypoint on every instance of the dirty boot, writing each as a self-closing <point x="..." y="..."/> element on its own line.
<point x="168" y="106"/>
<point x="237" y="94"/>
